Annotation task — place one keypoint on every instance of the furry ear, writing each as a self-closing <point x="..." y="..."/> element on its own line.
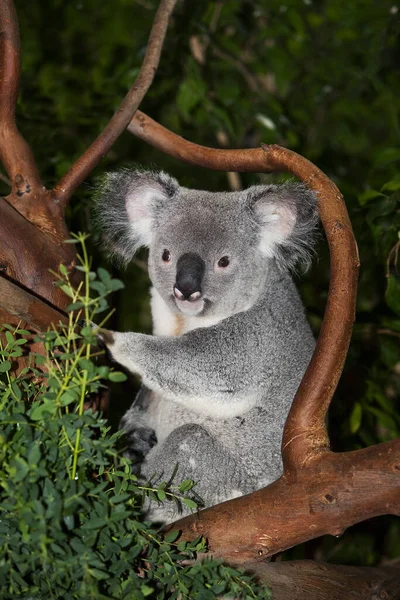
<point x="125" y="206"/>
<point x="287" y="215"/>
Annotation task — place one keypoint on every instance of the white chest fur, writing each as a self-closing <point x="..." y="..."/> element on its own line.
<point x="168" y="323"/>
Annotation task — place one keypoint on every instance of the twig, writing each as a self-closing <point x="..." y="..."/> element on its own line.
<point x="388" y="332"/>
<point x="118" y="123"/>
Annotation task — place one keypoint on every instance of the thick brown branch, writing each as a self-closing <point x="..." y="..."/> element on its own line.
<point x="305" y="433"/>
<point x="118" y="123"/>
<point x="28" y="308"/>
<point x="15" y="153"/>
<point x="332" y="493"/>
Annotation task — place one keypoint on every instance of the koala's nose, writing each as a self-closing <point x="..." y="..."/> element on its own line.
<point x="189" y="276"/>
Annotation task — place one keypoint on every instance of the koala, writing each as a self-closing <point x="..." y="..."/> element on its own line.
<point x="230" y="341"/>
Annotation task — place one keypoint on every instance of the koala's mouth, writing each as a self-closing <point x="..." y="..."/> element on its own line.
<point x="190" y="308"/>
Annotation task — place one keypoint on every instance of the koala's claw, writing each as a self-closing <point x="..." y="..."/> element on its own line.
<point x="104" y="337"/>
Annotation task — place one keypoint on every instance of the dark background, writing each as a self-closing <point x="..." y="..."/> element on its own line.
<point x="321" y="78"/>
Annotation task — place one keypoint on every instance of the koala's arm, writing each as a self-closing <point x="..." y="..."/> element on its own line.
<point x="207" y="370"/>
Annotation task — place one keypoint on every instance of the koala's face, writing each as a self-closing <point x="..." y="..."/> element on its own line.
<point x="204" y="256"/>
<point x="208" y="252"/>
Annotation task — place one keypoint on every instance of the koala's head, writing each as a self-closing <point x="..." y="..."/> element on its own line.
<point x="209" y="253"/>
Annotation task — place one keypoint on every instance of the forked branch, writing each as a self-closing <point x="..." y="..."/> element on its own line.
<point x="118" y="123"/>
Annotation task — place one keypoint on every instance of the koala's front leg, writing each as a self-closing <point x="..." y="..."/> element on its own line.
<point x="204" y="370"/>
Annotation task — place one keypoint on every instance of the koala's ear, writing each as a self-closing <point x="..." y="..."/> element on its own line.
<point x="287" y="216"/>
<point x="125" y="205"/>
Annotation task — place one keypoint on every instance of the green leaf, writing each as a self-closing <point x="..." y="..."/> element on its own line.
<point x="186" y="485"/>
<point x="189" y="503"/>
<point x="43" y="411"/>
<point x="97" y="574"/>
<point x="67" y="398"/>
<point x="98" y="287"/>
<point x="355" y="417"/>
<point x="146" y="590"/>
<point x="392" y="186"/>
<point x="172" y="536"/>
<point x="103" y="372"/>
<point x="74" y="306"/>
<point x="116" y="284"/>
<point x="161" y="495"/>
<point x="10" y="338"/>
<point x="117" y="376"/>
<point x="22" y="468"/>
<point x="369" y="195"/>
<point x="40" y="359"/>
<point x="66" y="290"/>
<point x="5" y="366"/>
<point x="95" y="523"/>
<point x="104" y="275"/>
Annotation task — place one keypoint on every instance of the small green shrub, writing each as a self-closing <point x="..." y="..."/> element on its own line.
<point x="71" y="524"/>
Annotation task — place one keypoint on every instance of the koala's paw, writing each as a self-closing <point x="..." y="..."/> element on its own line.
<point x="140" y="441"/>
<point x="105" y="340"/>
<point x="104" y="337"/>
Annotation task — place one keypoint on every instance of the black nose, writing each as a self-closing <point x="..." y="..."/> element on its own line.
<point x="189" y="275"/>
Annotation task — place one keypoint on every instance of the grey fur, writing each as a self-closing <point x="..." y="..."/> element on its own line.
<point x="218" y="394"/>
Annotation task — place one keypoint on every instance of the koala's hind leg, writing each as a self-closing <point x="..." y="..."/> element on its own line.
<point x="218" y="475"/>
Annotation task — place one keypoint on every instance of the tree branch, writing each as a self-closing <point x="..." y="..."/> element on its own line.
<point x="118" y="123"/>
<point x="334" y="492"/>
<point x="305" y="435"/>
<point x="15" y="153"/>
<point x="25" y="306"/>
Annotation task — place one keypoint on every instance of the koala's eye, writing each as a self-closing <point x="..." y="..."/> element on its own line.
<point x="223" y="262"/>
<point x="166" y="256"/>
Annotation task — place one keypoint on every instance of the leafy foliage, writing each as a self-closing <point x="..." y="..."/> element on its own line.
<point x="72" y="524"/>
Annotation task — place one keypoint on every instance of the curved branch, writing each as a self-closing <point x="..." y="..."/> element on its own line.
<point x="305" y="435"/>
<point x="15" y="153"/>
<point x="244" y="160"/>
<point x="118" y="123"/>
